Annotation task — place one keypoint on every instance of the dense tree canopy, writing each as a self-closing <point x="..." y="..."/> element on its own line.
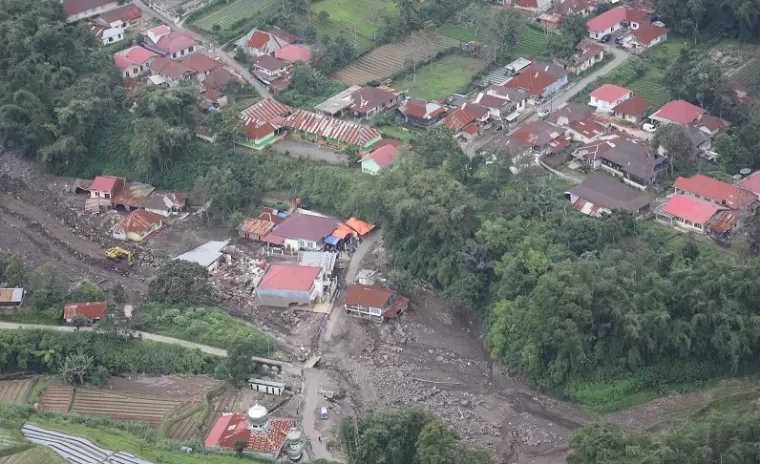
<point x="180" y="283"/>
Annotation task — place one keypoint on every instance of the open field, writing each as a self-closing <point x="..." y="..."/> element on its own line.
<point x="231" y="14"/>
<point x="650" y="87"/>
<point x="188" y="428"/>
<point x="15" y="391"/>
<point x="356" y="21"/>
<point x="121" y="407"/>
<point x="36" y="455"/>
<point x="532" y="45"/>
<point x="57" y="398"/>
<point x="388" y="59"/>
<point x="441" y="78"/>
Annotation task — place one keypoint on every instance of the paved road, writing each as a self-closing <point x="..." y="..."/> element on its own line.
<point x="297" y="147"/>
<point x="224" y="56"/>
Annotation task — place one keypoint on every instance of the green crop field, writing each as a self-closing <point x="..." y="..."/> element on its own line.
<point x="354" y="20"/>
<point x="441" y="78"/>
<point x="229" y="15"/>
<point x="651" y="89"/>
<point x="532" y="45"/>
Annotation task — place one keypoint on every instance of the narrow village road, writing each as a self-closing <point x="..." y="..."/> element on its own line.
<point x="312" y="402"/>
<point x="226" y="57"/>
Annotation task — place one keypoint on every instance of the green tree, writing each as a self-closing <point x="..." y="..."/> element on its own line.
<point x="119" y="294"/>
<point x="79" y="321"/>
<point x="180" y="283"/>
<point x="574" y="28"/>
<point x="672" y="139"/>
<point x="238" y="367"/>
<point x="16" y="272"/>
<point x="221" y="187"/>
<point x="76" y="368"/>
<point x="46" y="289"/>
<point x="155" y="142"/>
<point x="114" y="323"/>
<point x="436" y="444"/>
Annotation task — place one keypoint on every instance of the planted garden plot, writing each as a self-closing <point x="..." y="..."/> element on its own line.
<point x="14" y="391"/>
<point x="57" y="398"/>
<point x="384" y="61"/>
<point x="121" y="407"/>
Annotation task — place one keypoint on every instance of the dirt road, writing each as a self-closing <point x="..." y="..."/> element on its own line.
<point x="312" y="403"/>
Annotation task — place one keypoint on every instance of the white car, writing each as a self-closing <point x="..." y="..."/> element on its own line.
<point x="543" y="112"/>
<point x="651" y="128"/>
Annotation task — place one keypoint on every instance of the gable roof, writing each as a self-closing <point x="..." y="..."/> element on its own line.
<point x="133" y="56"/>
<point x="292" y="53"/>
<point x="200" y="62"/>
<point x="90" y="310"/>
<point x="269" y="63"/>
<point x="691" y="209"/>
<point x="267" y="110"/>
<point x="72" y="7"/>
<point x="614" y="16"/>
<point x="574" y="6"/>
<point x="266" y="42"/>
<point x="175" y="41"/>
<point x="289" y="277"/>
<point x="11" y="295"/>
<point x="169" y="68"/>
<point x="256" y="226"/>
<point x="712" y="123"/>
<point x="383" y="156"/>
<point x="138" y="221"/>
<point x="537" y="77"/>
<point x="217" y="78"/>
<point x="344" y="131"/>
<point x="609" y="92"/>
<point x="648" y="32"/>
<point x="634" y="106"/>
<point x="368" y="98"/>
<point x="459" y="118"/>
<point x="587" y="127"/>
<point x="720" y="192"/>
<point x="106" y="184"/>
<point x="568" y="113"/>
<point x="610" y="193"/>
<point x="751" y="183"/>
<point x="422" y="109"/>
<point x="538" y="133"/>
<point x="232" y="428"/>
<point x="679" y="112"/>
<point x="369" y="296"/>
<point x="306" y="227"/>
<point x="133" y="194"/>
<point x="256" y="129"/>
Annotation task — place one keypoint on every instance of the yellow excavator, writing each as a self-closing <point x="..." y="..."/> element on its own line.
<point x="117" y="253"/>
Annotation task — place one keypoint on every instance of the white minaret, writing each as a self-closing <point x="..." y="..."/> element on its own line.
<point x="294" y="444"/>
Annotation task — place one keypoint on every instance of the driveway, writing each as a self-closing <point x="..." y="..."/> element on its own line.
<point x="306" y="149"/>
<point x="210" y="44"/>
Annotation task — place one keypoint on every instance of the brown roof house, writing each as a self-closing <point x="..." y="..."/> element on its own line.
<point x="166" y="203"/>
<point x="162" y="40"/>
<point x="167" y="72"/>
<point x="81" y="9"/>
<point x="374" y="303"/>
<point x="132" y="196"/>
<point x="421" y="112"/>
<point x="632" y="110"/>
<point x="125" y="17"/>
<point x="600" y="194"/>
<point x="138" y="225"/>
<point x="588" y="53"/>
<point x="257" y="42"/>
<point x="369" y="101"/>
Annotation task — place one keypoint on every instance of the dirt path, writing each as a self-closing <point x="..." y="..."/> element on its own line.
<point x="25" y="227"/>
<point x="313" y="382"/>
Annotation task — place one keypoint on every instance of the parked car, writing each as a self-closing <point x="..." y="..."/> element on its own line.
<point x="605" y="38"/>
<point x="651" y="128"/>
<point x="543" y="112"/>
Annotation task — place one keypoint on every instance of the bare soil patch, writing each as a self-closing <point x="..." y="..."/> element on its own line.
<point x="184" y="387"/>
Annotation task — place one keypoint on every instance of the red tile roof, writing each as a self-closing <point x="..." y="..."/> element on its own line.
<point x="108" y="184"/>
<point x="536" y="78"/>
<point x="680" y="112"/>
<point x="292" y="53"/>
<point x="609" y="92"/>
<point x="137" y="55"/>
<point x="720" y="192"/>
<point x="124" y="14"/>
<point x="169" y="68"/>
<point x="422" y="109"/>
<point x="344" y="131"/>
<point x="289" y="277"/>
<point x="176" y="41"/>
<point x="90" y="310"/>
<point x="256" y="129"/>
<point x="634" y="106"/>
<point x="614" y="16"/>
<point x="648" y="32"/>
<point x="138" y="221"/>
<point x="751" y="183"/>
<point x="459" y="118"/>
<point x="384" y="142"/>
<point x="200" y="62"/>
<point x="690" y="208"/>
<point x="384" y="156"/>
<point x="217" y="78"/>
<point x="269" y="63"/>
<point x="232" y="428"/>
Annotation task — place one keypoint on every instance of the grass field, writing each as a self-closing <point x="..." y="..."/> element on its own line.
<point x="441" y="78"/>
<point x="231" y="17"/>
<point x="650" y="87"/>
<point x="384" y="61"/>
<point x="532" y="45"/>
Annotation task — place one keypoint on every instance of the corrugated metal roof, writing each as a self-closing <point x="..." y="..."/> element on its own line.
<point x="268" y="110"/>
<point x="11" y="295"/>
<point x="331" y="128"/>
<point x="324" y="259"/>
<point x="133" y="194"/>
<point x="206" y="254"/>
<point x="256" y="226"/>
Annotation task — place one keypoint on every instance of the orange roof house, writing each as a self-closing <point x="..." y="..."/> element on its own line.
<point x="374" y="303"/>
<point x="263" y="436"/>
<point x="94" y="310"/>
<point x="138" y="225"/>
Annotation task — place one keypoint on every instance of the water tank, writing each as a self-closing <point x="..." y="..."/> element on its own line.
<point x="745" y="171"/>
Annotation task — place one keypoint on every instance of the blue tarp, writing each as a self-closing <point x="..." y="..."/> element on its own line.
<point x="330" y="240"/>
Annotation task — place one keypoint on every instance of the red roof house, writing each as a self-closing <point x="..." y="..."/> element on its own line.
<point x="649" y="35"/>
<point x="374" y="303"/>
<point x="285" y="285"/>
<point x="687" y="212"/>
<point x="613" y="19"/>
<point x="632" y="109"/>
<point x="94" y="310"/>
<point x="608" y="96"/>
<point x="539" y="79"/>
<point x="715" y="191"/>
<point x="304" y="230"/>
<point x="379" y="158"/>
<point x="292" y="53"/>
<point x="106" y="186"/>
<point x="264" y="436"/>
<point x="458" y="119"/>
<point x="137" y="225"/>
<point x="678" y="112"/>
<point x="134" y="60"/>
<point x="421" y="112"/>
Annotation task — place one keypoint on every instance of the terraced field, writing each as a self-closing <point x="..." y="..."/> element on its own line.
<point x="650" y="87"/>
<point x="355" y="20"/>
<point x="188" y="428"/>
<point x="441" y="78"/>
<point x="227" y="15"/>
<point x="386" y="60"/>
<point x="57" y="398"/>
<point x="15" y="391"/>
<point x="117" y="406"/>
<point x="532" y="45"/>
